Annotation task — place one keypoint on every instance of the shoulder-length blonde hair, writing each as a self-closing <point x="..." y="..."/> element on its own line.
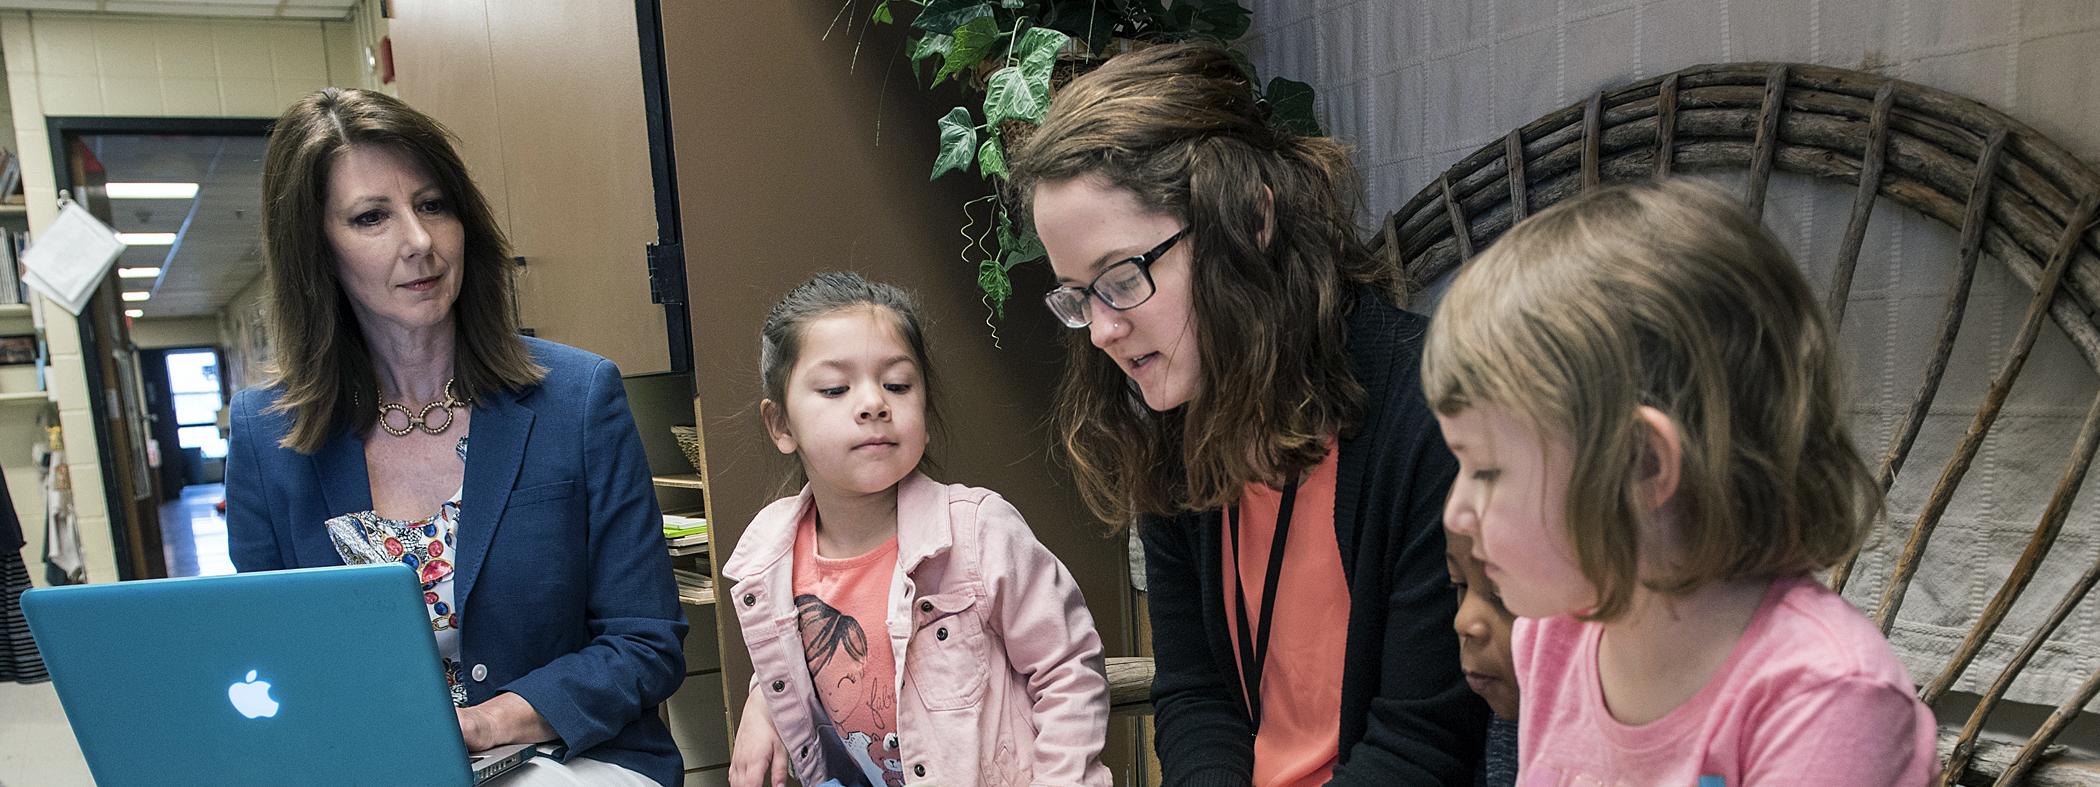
<point x="318" y="352"/>
<point x="1181" y="127"/>
<point x="1671" y="295"/>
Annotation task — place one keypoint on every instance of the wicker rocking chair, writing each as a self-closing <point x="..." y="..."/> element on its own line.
<point x="2010" y="192"/>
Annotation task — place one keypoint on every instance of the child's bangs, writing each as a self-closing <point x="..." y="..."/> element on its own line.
<point x="1483" y="345"/>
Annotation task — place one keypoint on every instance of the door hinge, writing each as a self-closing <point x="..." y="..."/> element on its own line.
<point x="666" y="273"/>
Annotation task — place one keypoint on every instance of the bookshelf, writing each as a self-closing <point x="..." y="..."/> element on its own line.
<point x="22" y="358"/>
<point x="697" y="713"/>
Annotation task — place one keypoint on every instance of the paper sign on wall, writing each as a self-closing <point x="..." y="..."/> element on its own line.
<point x="70" y="258"/>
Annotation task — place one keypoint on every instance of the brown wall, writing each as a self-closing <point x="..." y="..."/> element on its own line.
<point x="546" y="98"/>
<point x="781" y="176"/>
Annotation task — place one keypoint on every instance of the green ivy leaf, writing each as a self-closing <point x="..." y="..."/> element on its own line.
<point x="1019" y="245"/>
<point x="958" y="143"/>
<point x="1012" y="5"/>
<point x="882" y="13"/>
<point x="1223" y="19"/>
<point x="1291" y="102"/>
<point x="990" y="159"/>
<point x="1007" y="95"/>
<point x="1041" y="43"/>
<point x="1038" y="51"/>
<point x="940" y="16"/>
<point x="1005" y="232"/>
<point x="1082" y="23"/>
<point x="1152" y="11"/>
<point x="1182" y="17"/>
<point x="973" y="41"/>
<point x="932" y="45"/>
<point x="992" y="280"/>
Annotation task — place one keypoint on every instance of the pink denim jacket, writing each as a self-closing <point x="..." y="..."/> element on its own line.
<point x="999" y="671"/>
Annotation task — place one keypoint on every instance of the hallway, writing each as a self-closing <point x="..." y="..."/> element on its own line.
<point x="193" y="532"/>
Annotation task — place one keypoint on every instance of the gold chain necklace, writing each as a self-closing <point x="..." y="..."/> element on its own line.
<point x="420" y="419"/>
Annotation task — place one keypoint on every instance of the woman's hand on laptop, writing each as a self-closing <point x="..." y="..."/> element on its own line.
<point x="505" y="719"/>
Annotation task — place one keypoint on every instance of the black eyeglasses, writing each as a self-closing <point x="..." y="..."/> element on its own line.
<point x="1122" y="285"/>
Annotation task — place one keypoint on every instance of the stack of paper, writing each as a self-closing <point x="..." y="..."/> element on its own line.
<point x="676" y="526"/>
<point x="70" y="259"/>
<point x="684" y="534"/>
<point x="694" y="587"/>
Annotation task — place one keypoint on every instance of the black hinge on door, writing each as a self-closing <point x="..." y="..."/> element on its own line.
<point x="666" y="273"/>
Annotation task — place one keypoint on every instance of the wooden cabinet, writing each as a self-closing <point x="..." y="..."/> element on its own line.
<point x="699" y="718"/>
<point x="546" y="99"/>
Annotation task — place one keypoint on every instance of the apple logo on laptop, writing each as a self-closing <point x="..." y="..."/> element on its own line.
<point x="252" y="697"/>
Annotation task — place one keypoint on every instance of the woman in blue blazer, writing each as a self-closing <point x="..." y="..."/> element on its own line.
<point x="538" y="540"/>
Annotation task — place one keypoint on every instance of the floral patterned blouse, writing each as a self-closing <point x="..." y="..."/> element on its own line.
<point x="425" y="545"/>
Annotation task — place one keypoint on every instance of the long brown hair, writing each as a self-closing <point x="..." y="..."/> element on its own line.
<point x="1180" y="127"/>
<point x="318" y="353"/>
<point x="1669" y="295"/>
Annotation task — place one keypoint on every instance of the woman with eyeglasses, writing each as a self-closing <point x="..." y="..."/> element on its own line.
<point x="1247" y="391"/>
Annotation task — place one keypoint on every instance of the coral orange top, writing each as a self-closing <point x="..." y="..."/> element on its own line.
<point x="1301" y="682"/>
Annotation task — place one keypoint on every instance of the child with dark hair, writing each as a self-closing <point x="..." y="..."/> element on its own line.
<point x="1483" y="626"/>
<point x="900" y="628"/>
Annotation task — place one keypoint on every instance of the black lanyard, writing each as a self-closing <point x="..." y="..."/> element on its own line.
<point x="1254" y="653"/>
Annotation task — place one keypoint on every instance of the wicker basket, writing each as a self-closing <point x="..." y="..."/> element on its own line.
<point x="688" y="438"/>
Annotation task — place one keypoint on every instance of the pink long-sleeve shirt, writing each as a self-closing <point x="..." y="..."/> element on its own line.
<point x="1812" y="695"/>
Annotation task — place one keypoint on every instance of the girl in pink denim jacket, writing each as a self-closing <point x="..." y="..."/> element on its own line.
<point x="902" y="631"/>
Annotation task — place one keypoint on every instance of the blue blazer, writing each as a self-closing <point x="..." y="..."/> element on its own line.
<point x="561" y="578"/>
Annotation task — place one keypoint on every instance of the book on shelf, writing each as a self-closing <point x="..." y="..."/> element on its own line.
<point x="693" y="586"/>
<point x="10" y="269"/>
<point x="10" y="177"/>
<point x="688" y="549"/>
<point x="677" y="526"/>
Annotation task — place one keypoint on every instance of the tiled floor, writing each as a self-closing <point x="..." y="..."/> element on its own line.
<point x="193" y="533"/>
<point x="36" y="744"/>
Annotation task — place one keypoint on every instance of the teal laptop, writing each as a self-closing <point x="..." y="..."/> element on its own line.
<point x="308" y="676"/>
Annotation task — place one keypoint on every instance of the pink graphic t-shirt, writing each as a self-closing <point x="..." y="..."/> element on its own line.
<point x="843" y="606"/>
<point x="1811" y="695"/>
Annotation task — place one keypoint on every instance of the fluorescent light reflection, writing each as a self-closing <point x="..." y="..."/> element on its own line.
<point x="151" y="190"/>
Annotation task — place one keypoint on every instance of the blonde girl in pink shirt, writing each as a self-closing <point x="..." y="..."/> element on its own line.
<point x="1645" y="401"/>
<point x="901" y="630"/>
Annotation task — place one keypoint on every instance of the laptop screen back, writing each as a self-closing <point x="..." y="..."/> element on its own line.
<point x="324" y="675"/>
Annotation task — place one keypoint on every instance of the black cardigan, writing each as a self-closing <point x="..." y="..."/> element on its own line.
<point x="1407" y="715"/>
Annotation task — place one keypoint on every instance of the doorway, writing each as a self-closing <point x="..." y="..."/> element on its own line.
<point x="186" y="403"/>
<point x="168" y="331"/>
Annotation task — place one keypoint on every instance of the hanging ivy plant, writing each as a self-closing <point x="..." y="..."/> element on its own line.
<point x="1013" y="54"/>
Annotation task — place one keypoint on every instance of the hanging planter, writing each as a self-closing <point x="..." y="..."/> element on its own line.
<point x="1012" y="55"/>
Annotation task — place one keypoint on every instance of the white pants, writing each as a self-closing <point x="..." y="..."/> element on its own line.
<point x="579" y="772"/>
